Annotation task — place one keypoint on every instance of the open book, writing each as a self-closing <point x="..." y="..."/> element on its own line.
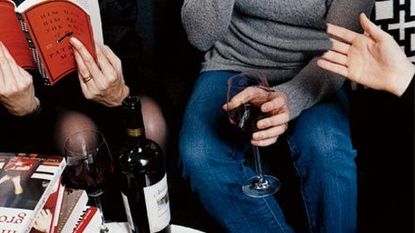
<point x="37" y="33"/>
<point x="26" y="181"/>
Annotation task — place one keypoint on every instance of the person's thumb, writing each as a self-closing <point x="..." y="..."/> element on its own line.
<point x="371" y="29"/>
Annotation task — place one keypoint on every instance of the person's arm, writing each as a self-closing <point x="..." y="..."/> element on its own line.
<point x="206" y="21"/>
<point x="312" y="84"/>
<point x="373" y="59"/>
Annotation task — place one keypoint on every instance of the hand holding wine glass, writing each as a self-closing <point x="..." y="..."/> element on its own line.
<point x="89" y="162"/>
<point x="255" y="108"/>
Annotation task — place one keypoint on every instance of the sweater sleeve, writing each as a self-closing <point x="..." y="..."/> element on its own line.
<point x="407" y="97"/>
<point x="206" y="21"/>
<point x="312" y="84"/>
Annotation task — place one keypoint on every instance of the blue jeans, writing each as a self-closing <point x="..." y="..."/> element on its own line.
<point x="212" y="156"/>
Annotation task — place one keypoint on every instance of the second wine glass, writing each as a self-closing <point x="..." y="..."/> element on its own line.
<point x="89" y="161"/>
<point x="245" y="117"/>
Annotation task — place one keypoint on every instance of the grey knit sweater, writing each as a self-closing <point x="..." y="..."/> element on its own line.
<point x="277" y="37"/>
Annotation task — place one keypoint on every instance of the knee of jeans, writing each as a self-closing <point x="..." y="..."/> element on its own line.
<point x="193" y="160"/>
<point x="323" y="149"/>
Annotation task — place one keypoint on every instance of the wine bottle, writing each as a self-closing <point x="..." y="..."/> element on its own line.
<point x="144" y="180"/>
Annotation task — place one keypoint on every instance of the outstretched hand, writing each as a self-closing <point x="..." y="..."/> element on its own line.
<point x="101" y="81"/>
<point x="372" y="59"/>
<point x="17" y="92"/>
<point x="273" y="104"/>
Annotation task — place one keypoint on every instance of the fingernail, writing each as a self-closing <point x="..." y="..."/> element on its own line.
<point x="75" y="42"/>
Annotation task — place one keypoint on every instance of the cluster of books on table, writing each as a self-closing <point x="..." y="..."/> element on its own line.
<point x="33" y="199"/>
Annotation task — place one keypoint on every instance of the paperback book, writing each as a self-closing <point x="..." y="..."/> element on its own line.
<point x="37" y="33"/>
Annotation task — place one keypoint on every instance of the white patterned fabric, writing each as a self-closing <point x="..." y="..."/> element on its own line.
<point x="397" y="17"/>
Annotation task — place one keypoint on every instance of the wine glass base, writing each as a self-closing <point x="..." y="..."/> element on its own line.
<point x="255" y="187"/>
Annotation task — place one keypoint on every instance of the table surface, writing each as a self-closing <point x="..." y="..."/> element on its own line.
<point x="121" y="227"/>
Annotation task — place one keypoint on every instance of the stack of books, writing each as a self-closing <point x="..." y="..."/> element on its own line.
<point x="33" y="199"/>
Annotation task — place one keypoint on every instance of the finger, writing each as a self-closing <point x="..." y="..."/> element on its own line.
<point x="109" y="73"/>
<point x="339" y="46"/>
<point x="83" y="73"/>
<point x="276" y="101"/>
<point x="48" y="212"/>
<point x="275" y="120"/>
<point x="7" y="54"/>
<point x="20" y="77"/>
<point x="246" y="96"/>
<point x="269" y="133"/>
<point x="87" y="58"/>
<point x="335" y="57"/>
<point x="113" y="59"/>
<point x="5" y="68"/>
<point x="333" y="67"/>
<point x="341" y="32"/>
<point x="265" y="142"/>
<point x="370" y="28"/>
<point x="82" y="69"/>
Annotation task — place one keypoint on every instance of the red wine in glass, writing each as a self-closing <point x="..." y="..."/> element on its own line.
<point x="245" y="117"/>
<point x="89" y="161"/>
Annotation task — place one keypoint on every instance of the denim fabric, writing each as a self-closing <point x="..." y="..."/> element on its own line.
<point x="212" y="156"/>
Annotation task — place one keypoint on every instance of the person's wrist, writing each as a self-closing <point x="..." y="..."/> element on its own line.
<point x="37" y="107"/>
<point x="399" y="85"/>
<point x="125" y="91"/>
<point x="34" y="110"/>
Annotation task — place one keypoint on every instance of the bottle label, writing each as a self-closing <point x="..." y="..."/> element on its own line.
<point x="128" y="212"/>
<point x="157" y="202"/>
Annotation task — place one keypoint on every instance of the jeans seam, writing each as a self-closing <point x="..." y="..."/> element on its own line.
<point x="303" y="195"/>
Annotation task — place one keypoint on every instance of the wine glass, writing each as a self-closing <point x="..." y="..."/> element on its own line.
<point x="89" y="161"/>
<point x="245" y="117"/>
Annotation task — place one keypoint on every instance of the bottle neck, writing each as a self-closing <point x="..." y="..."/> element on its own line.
<point x="135" y="134"/>
<point x="133" y="118"/>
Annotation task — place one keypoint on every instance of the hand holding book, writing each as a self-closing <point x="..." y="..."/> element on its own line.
<point x="17" y="93"/>
<point x="101" y="81"/>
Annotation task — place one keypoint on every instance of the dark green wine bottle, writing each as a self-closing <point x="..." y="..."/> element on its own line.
<point x="144" y="179"/>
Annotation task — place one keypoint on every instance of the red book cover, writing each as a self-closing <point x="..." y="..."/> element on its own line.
<point x="26" y="181"/>
<point x="47" y="27"/>
<point x="13" y="37"/>
<point x="47" y="219"/>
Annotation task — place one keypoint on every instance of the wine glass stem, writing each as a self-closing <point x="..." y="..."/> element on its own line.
<point x="97" y="200"/>
<point x="258" y="166"/>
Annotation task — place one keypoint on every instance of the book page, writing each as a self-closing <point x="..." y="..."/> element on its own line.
<point x="92" y="7"/>
<point x="12" y="36"/>
<point x="51" y="24"/>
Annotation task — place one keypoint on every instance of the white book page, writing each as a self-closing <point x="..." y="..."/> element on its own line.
<point x="27" y="4"/>
<point x="92" y="7"/>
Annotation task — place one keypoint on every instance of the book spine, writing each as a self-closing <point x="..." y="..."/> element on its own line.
<point x="35" y="54"/>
